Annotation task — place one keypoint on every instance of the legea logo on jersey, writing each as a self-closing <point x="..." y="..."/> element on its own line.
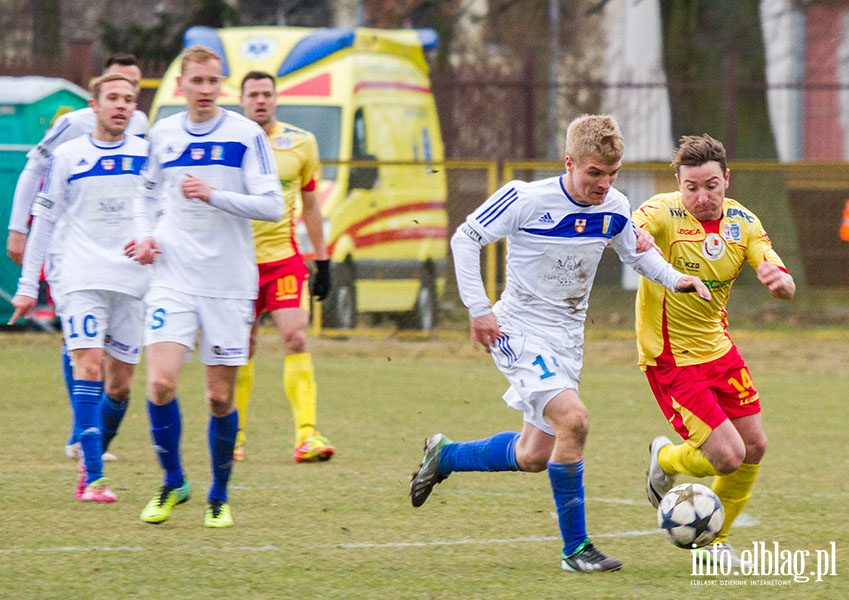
<point x="684" y="231"/>
<point x="713" y="247"/>
<point x="580" y="225"/>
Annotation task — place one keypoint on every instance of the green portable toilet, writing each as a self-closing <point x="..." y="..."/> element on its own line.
<point x="28" y="106"/>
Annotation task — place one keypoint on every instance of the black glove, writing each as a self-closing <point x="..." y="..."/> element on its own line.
<point x="320" y="281"/>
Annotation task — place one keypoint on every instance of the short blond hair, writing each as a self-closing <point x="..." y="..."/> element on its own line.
<point x="199" y="55"/>
<point x="96" y="86"/>
<point x="595" y="136"/>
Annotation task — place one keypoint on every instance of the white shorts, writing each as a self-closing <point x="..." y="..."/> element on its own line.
<point x="103" y="319"/>
<point x="224" y="324"/>
<point x="537" y="372"/>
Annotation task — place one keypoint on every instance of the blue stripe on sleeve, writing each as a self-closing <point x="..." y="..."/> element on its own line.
<point x="60" y="129"/>
<point x="48" y="172"/>
<point x="264" y="159"/>
<point x="497" y="208"/>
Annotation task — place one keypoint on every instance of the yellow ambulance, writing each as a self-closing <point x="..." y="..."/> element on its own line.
<point x="366" y="95"/>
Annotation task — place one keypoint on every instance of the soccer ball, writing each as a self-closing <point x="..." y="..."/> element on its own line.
<point x="690" y="515"/>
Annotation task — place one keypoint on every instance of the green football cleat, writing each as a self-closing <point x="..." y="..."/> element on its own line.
<point x="218" y="514"/>
<point x="428" y="474"/>
<point x="160" y="506"/>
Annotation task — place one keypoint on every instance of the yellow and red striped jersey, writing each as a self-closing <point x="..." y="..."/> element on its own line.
<point x="299" y="168"/>
<point x="682" y="327"/>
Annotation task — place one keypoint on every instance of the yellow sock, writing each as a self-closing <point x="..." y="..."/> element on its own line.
<point x="685" y="459"/>
<point x="299" y="384"/>
<point x="734" y="490"/>
<point x="244" y="386"/>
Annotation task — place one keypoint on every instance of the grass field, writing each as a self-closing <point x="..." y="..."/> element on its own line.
<point x="345" y="529"/>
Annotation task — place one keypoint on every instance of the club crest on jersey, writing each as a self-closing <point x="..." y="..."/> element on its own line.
<point x="731" y="232"/>
<point x="580" y="225"/>
<point x="605" y="225"/>
<point x="217" y="152"/>
<point x="713" y="247"/>
<point x="127" y="163"/>
<point x="108" y="164"/>
<point x="197" y="153"/>
<point x="284" y="142"/>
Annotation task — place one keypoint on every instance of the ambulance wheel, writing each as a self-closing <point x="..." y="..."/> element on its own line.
<point x="424" y="314"/>
<point x="340" y="311"/>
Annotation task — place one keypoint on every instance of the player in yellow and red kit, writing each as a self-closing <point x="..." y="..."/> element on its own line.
<point x="694" y="369"/>
<point x="283" y="274"/>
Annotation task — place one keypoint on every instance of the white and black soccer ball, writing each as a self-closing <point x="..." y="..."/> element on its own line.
<point x="690" y="515"/>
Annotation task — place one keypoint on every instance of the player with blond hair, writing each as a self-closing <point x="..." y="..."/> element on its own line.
<point x="210" y="171"/>
<point x="556" y="231"/>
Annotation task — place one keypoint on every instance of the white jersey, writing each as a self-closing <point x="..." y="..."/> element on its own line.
<point x="207" y="248"/>
<point x="554" y="245"/>
<point x="77" y="123"/>
<point x="67" y="127"/>
<point x="88" y="193"/>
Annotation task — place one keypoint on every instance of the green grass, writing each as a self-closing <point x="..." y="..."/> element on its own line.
<point x="345" y="529"/>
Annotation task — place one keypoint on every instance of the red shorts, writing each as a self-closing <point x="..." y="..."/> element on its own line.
<point x="282" y="284"/>
<point x="696" y="399"/>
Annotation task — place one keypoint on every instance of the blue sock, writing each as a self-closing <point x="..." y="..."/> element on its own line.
<point x="86" y="396"/>
<point x="165" y="428"/>
<point x="221" y="435"/>
<point x="567" y="485"/>
<point x="111" y="413"/>
<point x="68" y="376"/>
<point x="496" y="453"/>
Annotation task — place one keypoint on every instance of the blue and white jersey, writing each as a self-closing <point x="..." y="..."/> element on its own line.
<point x="207" y="248"/>
<point x="66" y="128"/>
<point x="554" y="246"/>
<point x="78" y="123"/>
<point x="88" y="196"/>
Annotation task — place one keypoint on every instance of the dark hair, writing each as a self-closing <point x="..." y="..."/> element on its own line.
<point x="696" y="150"/>
<point x="258" y="75"/>
<point x="126" y="60"/>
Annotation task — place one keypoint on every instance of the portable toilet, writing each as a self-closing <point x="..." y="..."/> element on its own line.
<point x="28" y="106"/>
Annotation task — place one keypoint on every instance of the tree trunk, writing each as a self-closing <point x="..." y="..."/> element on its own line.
<point x="715" y="65"/>
<point x="46" y="28"/>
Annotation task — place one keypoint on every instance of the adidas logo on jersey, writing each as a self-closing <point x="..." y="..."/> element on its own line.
<point x="546" y="218"/>
<point x="83" y="162"/>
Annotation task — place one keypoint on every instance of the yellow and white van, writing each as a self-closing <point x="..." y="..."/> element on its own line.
<point x="366" y="95"/>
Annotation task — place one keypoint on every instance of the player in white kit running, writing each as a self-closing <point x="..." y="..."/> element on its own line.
<point x="556" y="231"/>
